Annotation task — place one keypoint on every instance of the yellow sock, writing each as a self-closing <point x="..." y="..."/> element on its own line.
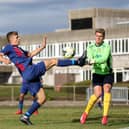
<point x="91" y="103"/>
<point x="107" y="99"/>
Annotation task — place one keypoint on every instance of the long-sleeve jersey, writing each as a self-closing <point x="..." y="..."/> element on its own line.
<point x="102" y="56"/>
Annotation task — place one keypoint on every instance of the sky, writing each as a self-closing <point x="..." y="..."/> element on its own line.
<point x="41" y="16"/>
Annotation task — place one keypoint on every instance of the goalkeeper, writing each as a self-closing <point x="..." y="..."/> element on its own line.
<point x="99" y="56"/>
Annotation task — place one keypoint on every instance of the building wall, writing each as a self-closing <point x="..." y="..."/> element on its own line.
<point x="121" y="61"/>
<point x="61" y="79"/>
<point x="116" y="35"/>
<point x="102" y="17"/>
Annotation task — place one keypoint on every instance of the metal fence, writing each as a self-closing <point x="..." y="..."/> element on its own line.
<point x="119" y="94"/>
<point x="72" y="93"/>
<point x="69" y="93"/>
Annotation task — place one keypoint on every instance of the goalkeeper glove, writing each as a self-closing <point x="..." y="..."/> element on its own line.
<point x="82" y="60"/>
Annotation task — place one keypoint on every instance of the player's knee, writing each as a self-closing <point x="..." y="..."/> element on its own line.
<point x="50" y="63"/>
<point x="54" y="61"/>
<point x="107" y="89"/>
<point x="98" y="94"/>
<point x="21" y="96"/>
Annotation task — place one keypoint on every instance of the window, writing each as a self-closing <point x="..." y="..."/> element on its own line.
<point x="84" y="23"/>
<point x="119" y="76"/>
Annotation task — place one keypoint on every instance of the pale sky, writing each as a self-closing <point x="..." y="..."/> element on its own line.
<point x="40" y="16"/>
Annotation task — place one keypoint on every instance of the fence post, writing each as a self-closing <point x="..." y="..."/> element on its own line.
<point x="74" y="93"/>
<point x="127" y="96"/>
<point x="12" y="94"/>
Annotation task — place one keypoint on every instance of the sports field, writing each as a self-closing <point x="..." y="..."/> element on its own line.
<point x="65" y="118"/>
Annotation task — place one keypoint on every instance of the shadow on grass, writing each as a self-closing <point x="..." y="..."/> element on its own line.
<point x="89" y="119"/>
<point x="113" y="122"/>
<point x="118" y="122"/>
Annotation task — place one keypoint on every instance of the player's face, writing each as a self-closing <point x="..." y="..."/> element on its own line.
<point x="15" y="40"/>
<point x="99" y="38"/>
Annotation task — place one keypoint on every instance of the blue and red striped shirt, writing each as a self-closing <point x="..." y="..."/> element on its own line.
<point x="18" y="56"/>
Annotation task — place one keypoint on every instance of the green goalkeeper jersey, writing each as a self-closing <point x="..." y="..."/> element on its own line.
<point x="102" y="56"/>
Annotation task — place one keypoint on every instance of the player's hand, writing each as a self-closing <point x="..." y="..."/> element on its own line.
<point x="90" y="62"/>
<point x="44" y="42"/>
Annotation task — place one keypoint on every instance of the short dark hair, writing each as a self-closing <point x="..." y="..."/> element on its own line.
<point x="100" y="30"/>
<point x="10" y="34"/>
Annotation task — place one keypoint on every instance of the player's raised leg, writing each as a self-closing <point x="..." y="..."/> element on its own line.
<point x="64" y="62"/>
<point x="59" y="62"/>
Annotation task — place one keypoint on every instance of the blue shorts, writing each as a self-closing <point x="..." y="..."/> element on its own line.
<point x="32" y="87"/>
<point x="34" y="71"/>
<point x="24" y="89"/>
<point x="102" y="79"/>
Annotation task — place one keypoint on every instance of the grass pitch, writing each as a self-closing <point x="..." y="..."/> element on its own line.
<point x="65" y="118"/>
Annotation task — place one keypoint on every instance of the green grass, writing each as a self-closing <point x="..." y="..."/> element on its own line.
<point x="65" y="118"/>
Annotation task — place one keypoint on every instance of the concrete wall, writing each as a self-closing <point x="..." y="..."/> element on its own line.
<point x="121" y="61"/>
<point x="102" y="17"/>
<point x="61" y="79"/>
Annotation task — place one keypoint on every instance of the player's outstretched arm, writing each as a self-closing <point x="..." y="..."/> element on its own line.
<point x="4" y="60"/>
<point x="39" y="49"/>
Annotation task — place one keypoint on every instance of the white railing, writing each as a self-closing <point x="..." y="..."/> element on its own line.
<point x="119" y="46"/>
